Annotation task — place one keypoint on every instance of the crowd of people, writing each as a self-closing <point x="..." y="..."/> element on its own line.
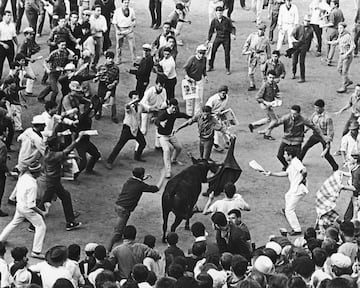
<point x="58" y="144"/>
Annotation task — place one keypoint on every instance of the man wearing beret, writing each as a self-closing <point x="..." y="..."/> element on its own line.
<point x="224" y="32"/>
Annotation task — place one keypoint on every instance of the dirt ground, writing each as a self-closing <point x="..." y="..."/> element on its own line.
<point x="94" y="196"/>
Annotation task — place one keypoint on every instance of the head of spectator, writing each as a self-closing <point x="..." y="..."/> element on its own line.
<point x="170" y="41"/>
<point x="198" y="229"/>
<point x="172" y="238"/>
<point x="269" y="252"/>
<point x="74" y="252"/>
<point x="146" y="49"/>
<point x="152" y="278"/>
<point x="340" y="283"/>
<point x="56" y="256"/>
<point x="304" y="266"/>
<point x="165" y="282"/>
<point x="261" y="29"/>
<point x="275" y="247"/>
<point x="288" y="3"/>
<point x="219" y="11"/>
<point x="128" y="284"/>
<point x="38" y="123"/>
<point x="19" y="254"/>
<point x="130" y="232"/>
<point x="230" y="190"/>
<point x="275" y="55"/>
<point x="259" y="278"/>
<point x="179" y="7"/>
<point x="223" y="92"/>
<point x="239" y="266"/>
<point x="277" y="280"/>
<point x="334" y="3"/>
<point x="109" y="56"/>
<point x="51" y="107"/>
<point x="347" y="230"/>
<point x="332" y="232"/>
<point x="341" y="27"/>
<point x="219" y="221"/>
<point x="225" y="261"/>
<point x="74" y="17"/>
<point x="97" y="11"/>
<point x="201" y="51"/>
<point x="295" y="111"/>
<point x="159" y="85"/>
<point x="61" y="44"/>
<point x="7" y="15"/>
<point x="249" y="283"/>
<point x="104" y="277"/>
<point x="63" y="283"/>
<point x="204" y="280"/>
<point x="167" y="52"/>
<point x="29" y="33"/>
<point x="176" y="271"/>
<point x="270" y="76"/>
<point x="330" y="246"/>
<point x="319" y="257"/>
<point x="264" y="265"/>
<point x="290" y="153"/>
<point x="86" y="15"/>
<point x="186" y="281"/>
<point x="319" y="106"/>
<point x="234" y="216"/>
<point x="90" y="249"/>
<point x="198" y="249"/>
<point x="340" y="264"/>
<point x="139" y="173"/>
<point x="172" y="105"/>
<point x="100" y="253"/>
<point x="140" y="273"/>
<point x="296" y="282"/>
<point x="166" y="28"/>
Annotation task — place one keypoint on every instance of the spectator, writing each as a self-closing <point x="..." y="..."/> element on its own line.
<point x="173" y="250"/>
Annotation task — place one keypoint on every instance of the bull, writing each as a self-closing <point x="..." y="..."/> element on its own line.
<point x="182" y="192"/>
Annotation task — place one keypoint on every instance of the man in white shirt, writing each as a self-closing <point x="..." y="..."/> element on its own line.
<point x="218" y="104"/>
<point x="26" y="209"/>
<point x="231" y="201"/>
<point x="349" y="143"/>
<point x="124" y="21"/>
<point x="288" y="19"/>
<point x="7" y="40"/>
<point x="4" y="268"/>
<point x="153" y="101"/>
<point x="98" y="27"/>
<point x="296" y="172"/>
<point x="168" y="72"/>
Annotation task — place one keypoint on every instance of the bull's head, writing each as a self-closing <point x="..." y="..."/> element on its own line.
<point x="205" y="166"/>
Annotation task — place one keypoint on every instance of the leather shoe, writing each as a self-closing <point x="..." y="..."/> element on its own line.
<point x="301" y="81"/>
<point x="252" y="88"/>
<point x="269" y="137"/>
<point x="251" y="128"/>
<point x="210" y="69"/>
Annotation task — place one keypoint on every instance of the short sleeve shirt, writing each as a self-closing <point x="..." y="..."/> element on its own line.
<point x="7" y="31"/>
<point x="354" y="102"/>
<point x="225" y="205"/>
<point x="295" y="177"/>
<point x="348" y="144"/>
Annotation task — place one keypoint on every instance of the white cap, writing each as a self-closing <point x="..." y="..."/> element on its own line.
<point x="264" y="265"/>
<point x="146" y="46"/>
<point x="201" y="47"/>
<point x="340" y="260"/>
<point x="29" y="30"/>
<point x="90" y="247"/>
<point x="70" y="66"/>
<point x="38" y="119"/>
<point x="274" y="246"/>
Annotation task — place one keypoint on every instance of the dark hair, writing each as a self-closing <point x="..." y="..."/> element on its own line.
<point x="271" y="254"/>
<point x="319" y="256"/>
<point x="167" y="49"/>
<point x="181" y="260"/>
<point x="173" y="102"/>
<point x="258" y="277"/>
<point x="132" y="93"/>
<point x="103" y="277"/>
<point x="18" y="253"/>
<point x="172" y="238"/>
<point x="149" y="240"/>
<point x="276" y="52"/>
<point x="129" y="232"/>
<point x="138" y="172"/>
<point x="170" y="37"/>
<point x="239" y="265"/>
<point x="229" y="189"/>
<point x="165" y="282"/>
<point x="291" y="151"/>
<point x="330" y="246"/>
<point x="151" y="279"/>
<point x="296" y="108"/>
<point x="198" y="229"/>
<point x="225" y="260"/>
<point x="339" y="283"/>
<point x="50" y="105"/>
<point x="237" y="212"/>
<point x="2" y="248"/>
<point x="74" y="252"/>
<point x="7" y="12"/>
<point x="347" y="228"/>
<point x="176" y="271"/>
<point x="198" y="248"/>
<point x="186" y="281"/>
<point x="271" y="72"/>
<point x="207" y="109"/>
<point x="320" y="103"/>
<point x="249" y="283"/>
<point x="19" y="57"/>
<point x="60" y="40"/>
<point x="277" y="281"/>
<point x="74" y="13"/>
<point x="219" y="218"/>
<point x="100" y="252"/>
<point x="179" y="6"/>
<point x="63" y="283"/>
<point x="128" y="284"/>
<point x="204" y="280"/>
<point x="296" y="282"/>
<point x="109" y="54"/>
<point x="140" y="272"/>
<point x="166" y="23"/>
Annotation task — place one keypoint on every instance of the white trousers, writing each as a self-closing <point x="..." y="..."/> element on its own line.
<point x="256" y="7"/>
<point x="286" y="29"/>
<point x="29" y="82"/>
<point x="145" y="125"/>
<point x="193" y="106"/>
<point x="16" y="116"/>
<point x="291" y="200"/>
<point x="35" y="219"/>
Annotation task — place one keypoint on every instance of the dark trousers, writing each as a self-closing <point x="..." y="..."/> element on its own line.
<point x="10" y="127"/>
<point x="52" y="87"/>
<point x="226" y="44"/>
<point x="2" y="185"/>
<point x="280" y="154"/>
<point x="318" y="33"/>
<point x="141" y="87"/>
<point x="205" y="148"/>
<point x="87" y="147"/>
<point x="170" y="88"/>
<point x="42" y="17"/>
<point x="242" y="3"/>
<point x="123" y="217"/>
<point x="124" y="138"/>
<point x="313" y="140"/>
<point x="8" y="54"/>
<point x="299" y="56"/>
<point x="102" y="89"/>
<point x="155" y="12"/>
<point x="107" y="42"/>
<point x="356" y="38"/>
<point x="352" y="118"/>
<point x="32" y="17"/>
<point x="230" y="7"/>
<point x="57" y="189"/>
<point x="20" y="14"/>
<point x="3" y="6"/>
<point x="273" y="24"/>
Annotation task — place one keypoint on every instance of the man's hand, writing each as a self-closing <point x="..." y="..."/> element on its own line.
<point x="266" y="173"/>
<point x="110" y="86"/>
<point x="206" y="78"/>
<point x="212" y="195"/>
<point x="233" y="37"/>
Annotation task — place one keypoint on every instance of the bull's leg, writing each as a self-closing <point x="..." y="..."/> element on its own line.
<point x="176" y="223"/>
<point x="165" y="221"/>
<point x="187" y="224"/>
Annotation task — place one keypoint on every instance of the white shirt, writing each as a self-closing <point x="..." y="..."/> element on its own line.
<point x="98" y="25"/>
<point x="144" y="285"/>
<point x="119" y="19"/>
<point x="226" y="204"/>
<point x="5" y="274"/>
<point x="7" y="31"/>
<point x="153" y="100"/>
<point x="75" y="272"/>
<point x="31" y="143"/>
<point x="26" y="190"/>
<point x="348" y="144"/>
<point x="168" y="66"/>
<point x="295" y="177"/>
<point x="318" y="276"/>
<point x="216" y="103"/>
<point x="288" y="16"/>
<point x="49" y="274"/>
<point x="315" y="12"/>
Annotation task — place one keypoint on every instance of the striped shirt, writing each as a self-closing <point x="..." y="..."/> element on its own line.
<point x="345" y="42"/>
<point x="110" y="73"/>
<point x="324" y="122"/>
<point x="206" y="125"/>
<point x="58" y="58"/>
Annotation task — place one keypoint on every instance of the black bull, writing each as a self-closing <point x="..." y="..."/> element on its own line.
<point x="182" y="191"/>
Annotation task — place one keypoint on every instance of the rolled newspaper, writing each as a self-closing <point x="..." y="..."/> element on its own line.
<point x="256" y="166"/>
